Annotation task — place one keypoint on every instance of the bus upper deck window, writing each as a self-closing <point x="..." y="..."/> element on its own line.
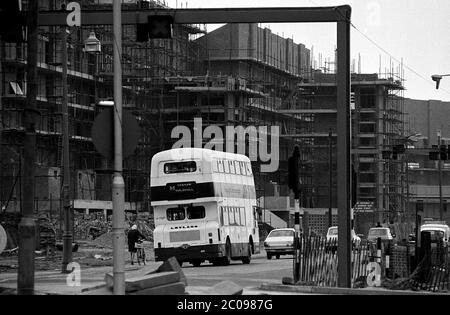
<point x="242" y="165"/>
<point x="180" y="167"/>
<point x="231" y="166"/>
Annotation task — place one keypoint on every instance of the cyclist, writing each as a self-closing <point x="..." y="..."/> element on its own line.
<point x="133" y="237"/>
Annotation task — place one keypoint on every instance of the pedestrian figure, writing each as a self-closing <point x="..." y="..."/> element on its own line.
<point x="133" y="236"/>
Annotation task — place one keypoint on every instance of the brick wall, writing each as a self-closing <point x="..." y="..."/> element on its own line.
<point x="399" y="266"/>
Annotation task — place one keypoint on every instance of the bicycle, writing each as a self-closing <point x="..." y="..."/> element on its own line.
<point x="140" y="251"/>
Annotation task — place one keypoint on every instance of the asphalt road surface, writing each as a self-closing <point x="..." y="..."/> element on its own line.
<point x="259" y="271"/>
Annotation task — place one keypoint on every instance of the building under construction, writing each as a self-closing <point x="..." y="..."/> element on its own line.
<point x="166" y="83"/>
<point x="377" y="126"/>
<point x="238" y="74"/>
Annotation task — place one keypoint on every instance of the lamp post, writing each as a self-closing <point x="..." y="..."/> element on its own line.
<point x="437" y="78"/>
<point x="67" y="235"/>
<point x="92" y="44"/>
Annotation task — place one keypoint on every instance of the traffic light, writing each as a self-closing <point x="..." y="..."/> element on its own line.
<point x="157" y="26"/>
<point x="434" y="153"/>
<point x="293" y="174"/>
<point x="443" y="152"/>
<point x="12" y="21"/>
<point x="419" y="206"/>
<point x="386" y="154"/>
<point x="444" y="205"/>
<point x="354" y="187"/>
<point x="396" y="150"/>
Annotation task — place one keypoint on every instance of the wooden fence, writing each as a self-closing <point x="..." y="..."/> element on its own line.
<point x="319" y="261"/>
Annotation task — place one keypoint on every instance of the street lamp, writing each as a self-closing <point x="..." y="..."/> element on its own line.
<point x="92" y="44"/>
<point x="437" y="78"/>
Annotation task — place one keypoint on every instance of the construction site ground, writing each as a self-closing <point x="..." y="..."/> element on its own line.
<point x="90" y="253"/>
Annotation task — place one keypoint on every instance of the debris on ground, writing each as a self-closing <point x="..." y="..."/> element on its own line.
<point x="167" y="279"/>
<point x="101" y="257"/>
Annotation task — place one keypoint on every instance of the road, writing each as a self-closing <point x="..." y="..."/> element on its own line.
<point x="259" y="271"/>
<point x="249" y="277"/>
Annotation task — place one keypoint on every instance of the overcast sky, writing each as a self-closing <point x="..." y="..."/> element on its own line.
<point x="417" y="32"/>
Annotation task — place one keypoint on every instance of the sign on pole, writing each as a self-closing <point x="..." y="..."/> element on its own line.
<point x="103" y="133"/>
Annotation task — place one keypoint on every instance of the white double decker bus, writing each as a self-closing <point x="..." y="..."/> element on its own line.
<point x="204" y="204"/>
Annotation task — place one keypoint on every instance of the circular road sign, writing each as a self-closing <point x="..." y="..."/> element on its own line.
<point x="103" y="133"/>
<point x="2" y="239"/>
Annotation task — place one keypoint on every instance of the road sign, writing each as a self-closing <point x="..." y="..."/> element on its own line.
<point x="2" y="239"/>
<point x="103" y="133"/>
<point x="364" y="206"/>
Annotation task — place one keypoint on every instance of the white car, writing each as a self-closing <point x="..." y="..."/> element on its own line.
<point x="437" y="230"/>
<point x="379" y="232"/>
<point x="332" y="236"/>
<point x="279" y="242"/>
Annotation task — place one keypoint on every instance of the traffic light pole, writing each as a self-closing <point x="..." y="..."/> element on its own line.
<point x="293" y="182"/>
<point x="118" y="184"/>
<point x="297" y="239"/>
<point x="343" y="152"/>
<point x="27" y="225"/>
<point x="441" y="204"/>
<point x="330" y="179"/>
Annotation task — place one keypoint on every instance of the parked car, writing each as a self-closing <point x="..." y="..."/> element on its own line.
<point x="279" y="242"/>
<point x="380" y="232"/>
<point x="438" y="230"/>
<point x="332" y="237"/>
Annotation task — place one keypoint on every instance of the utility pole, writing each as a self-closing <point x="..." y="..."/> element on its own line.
<point x="118" y="185"/>
<point x="441" y="205"/>
<point x="68" y="215"/>
<point x="343" y="122"/>
<point x="27" y="225"/>
<point x="408" y="215"/>
<point x="330" y="180"/>
<point x="293" y="182"/>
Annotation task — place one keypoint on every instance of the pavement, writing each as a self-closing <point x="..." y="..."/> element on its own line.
<point x="56" y="283"/>
<point x="90" y="278"/>
<point x="298" y="289"/>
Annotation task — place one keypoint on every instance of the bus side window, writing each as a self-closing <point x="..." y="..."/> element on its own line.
<point x="237" y="216"/>
<point x="242" y="166"/>
<point x="237" y="167"/>
<point x="220" y="166"/>
<point x="232" y="169"/>
<point x="249" y="168"/>
<point x="231" y="215"/>
<point x="226" y="220"/>
<point x="215" y="166"/>
<point x="242" y="213"/>
<point x="221" y="216"/>
<point x="226" y="166"/>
